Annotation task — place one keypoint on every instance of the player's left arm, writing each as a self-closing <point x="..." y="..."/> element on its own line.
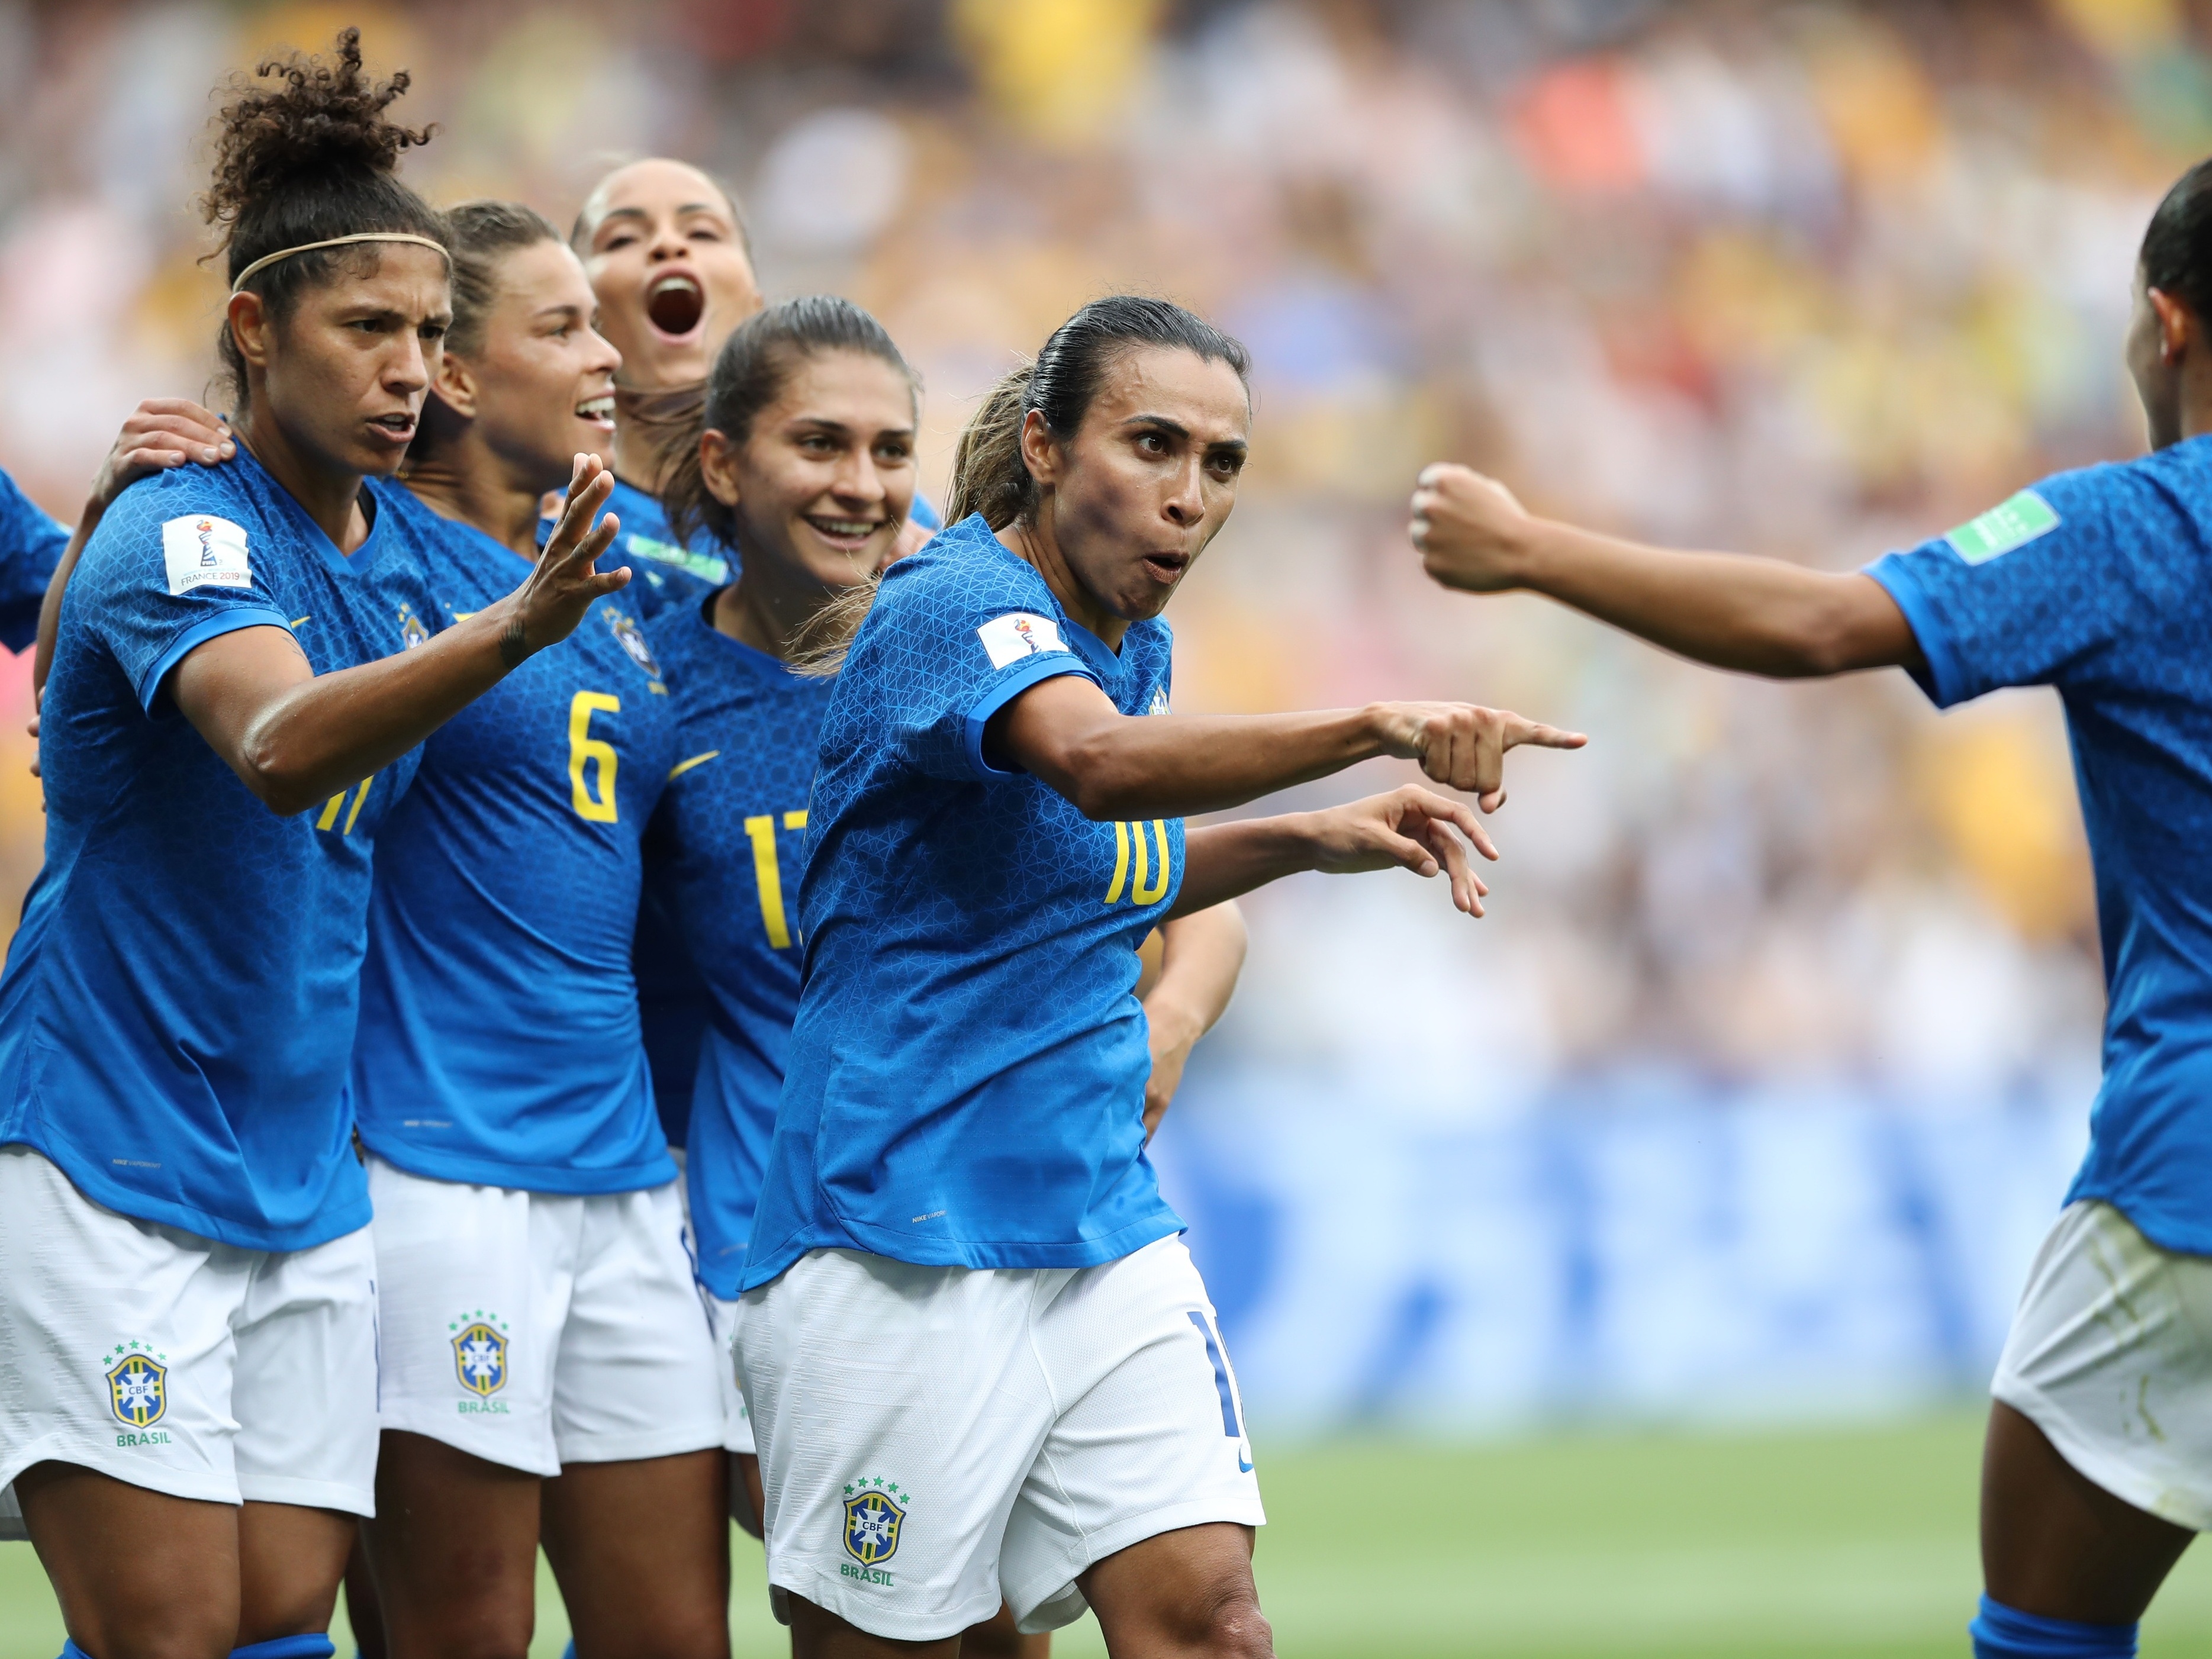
<point x="1756" y="616"/>
<point x="1409" y="828"/>
<point x="1198" y="958"/>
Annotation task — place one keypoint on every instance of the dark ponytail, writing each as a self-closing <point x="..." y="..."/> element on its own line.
<point x="989" y="473"/>
<point x="2177" y="247"/>
<point x="310" y="158"/>
<point x="754" y="366"/>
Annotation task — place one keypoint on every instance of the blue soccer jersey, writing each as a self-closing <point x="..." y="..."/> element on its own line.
<point x="726" y="846"/>
<point x="31" y="544"/>
<point x="2099" y="583"/>
<point x="966" y="1072"/>
<point x="178" y="1009"/>
<point x="499" y="1037"/>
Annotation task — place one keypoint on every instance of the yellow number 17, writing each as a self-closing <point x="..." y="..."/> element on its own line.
<point x="768" y="874"/>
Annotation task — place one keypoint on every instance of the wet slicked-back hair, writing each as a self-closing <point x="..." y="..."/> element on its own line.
<point x="481" y="235"/>
<point x="989" y="476"/>
<point x="311" y="157"/>
<point x="2177" y="248"/>
<point x="586" y="224"/>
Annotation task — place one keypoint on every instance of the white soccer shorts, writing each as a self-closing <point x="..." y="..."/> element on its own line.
<point x="736" y="1423"/>
<point x="934" y="1440"/>
<point x="180" y="1364"/>
<point x="535" y="1329"/>
<point x="2110" y="1356"/>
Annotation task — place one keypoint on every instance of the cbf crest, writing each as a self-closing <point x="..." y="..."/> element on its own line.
<point x="480" y="1352"/>
<point x="137" y="1388"/>
<point x="631" y="638"/>
<point x="412" y="632"/>
<point x="874" y="1510"/>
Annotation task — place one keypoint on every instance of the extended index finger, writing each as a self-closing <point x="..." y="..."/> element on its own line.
<point x="1537" y="735"/>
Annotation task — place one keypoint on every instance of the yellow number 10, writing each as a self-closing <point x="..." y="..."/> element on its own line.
<point x="768" y="874"/>
<point x="1140" y="892"/>
<point x="584" y="749"/>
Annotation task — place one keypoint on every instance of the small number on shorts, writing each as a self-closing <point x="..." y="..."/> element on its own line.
<point x="1229" y="1424"/>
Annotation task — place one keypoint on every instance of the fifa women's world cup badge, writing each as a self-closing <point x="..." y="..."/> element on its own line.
<point x="480" y="1361"/>
<point x="875" y="1510"/>
<point x="138" y="1392"/>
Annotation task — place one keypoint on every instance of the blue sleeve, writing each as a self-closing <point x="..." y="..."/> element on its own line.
<point x="2033" y="592"/>
<point x="945" y="650"/>
<point x="159" y="578"/>
<point x="31" y="544"/>
<point x="924" y="514"/>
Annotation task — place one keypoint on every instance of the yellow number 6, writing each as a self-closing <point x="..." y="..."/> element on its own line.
<point x="598" y="806"/>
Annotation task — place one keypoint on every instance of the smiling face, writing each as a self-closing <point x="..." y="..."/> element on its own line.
<point x="665" y="259"/>
<point x="822" y="481"/>
<point x="541" y="387"/>
<point x="1148" y="480"/>
<point x="345" y="373"/>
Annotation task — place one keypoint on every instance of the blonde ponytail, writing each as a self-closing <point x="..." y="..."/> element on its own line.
<point x="988" y="474"/>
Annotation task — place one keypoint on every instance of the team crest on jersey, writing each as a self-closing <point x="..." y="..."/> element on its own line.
<point x="480" y="1352"/>
<point x="412" y="633"/>
<point x="874" y="1510"/>
<point x="631" y="638"/>
<point x="138" y="1387"/>
<point x="1159" y="702"/>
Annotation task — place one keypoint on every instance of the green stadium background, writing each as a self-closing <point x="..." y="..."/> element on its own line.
<point x="1619" y="1276"/>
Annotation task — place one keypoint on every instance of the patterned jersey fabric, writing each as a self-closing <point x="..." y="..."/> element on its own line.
<point x="966" y="1070"/>
<point x="2099" y="583"/>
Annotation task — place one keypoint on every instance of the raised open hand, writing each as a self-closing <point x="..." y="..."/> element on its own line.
<point x="563" y="584"/>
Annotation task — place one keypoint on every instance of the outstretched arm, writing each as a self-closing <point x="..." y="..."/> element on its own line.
<point x="295" y="738"/>
<point x="1200" y="958"/>
<point x="1410" y="828"/>
<point x="1113" y="765"/>
<point x="1756" y="616"/>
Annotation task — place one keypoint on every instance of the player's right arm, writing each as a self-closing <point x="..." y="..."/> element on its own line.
<point x="294" y="738"/>
<point x="1753" y="615"/>
<point x="1067" y="731"/>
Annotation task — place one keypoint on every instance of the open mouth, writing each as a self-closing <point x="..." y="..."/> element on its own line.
<point x="848" y="534"/>
<point x="675" y="303"/>
<point x="1167" y="566"/>
<point x="400" y="428"/>
<point x="598" y="411"/>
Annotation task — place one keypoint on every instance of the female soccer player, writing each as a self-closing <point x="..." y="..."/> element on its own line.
<point x="2098" y="1469"/>
<point x="186" y="1278"/>
<point x="979" y="1361"/>
<point x="545" y="1364"/>
<point x="807" y="461"/>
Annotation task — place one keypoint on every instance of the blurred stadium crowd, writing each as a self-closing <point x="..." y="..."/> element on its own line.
<point x="1814" y="278"/>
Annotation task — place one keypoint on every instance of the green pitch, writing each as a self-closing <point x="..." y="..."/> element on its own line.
<point x="1840" y="1543"/>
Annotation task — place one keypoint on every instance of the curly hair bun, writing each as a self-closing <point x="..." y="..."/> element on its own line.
<point x="324" y="117"/>
<point x="306" y="150"/>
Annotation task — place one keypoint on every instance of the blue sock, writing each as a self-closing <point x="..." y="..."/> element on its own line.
<point x="314" y="1646"/>
<point x="2003" y="1632"/>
